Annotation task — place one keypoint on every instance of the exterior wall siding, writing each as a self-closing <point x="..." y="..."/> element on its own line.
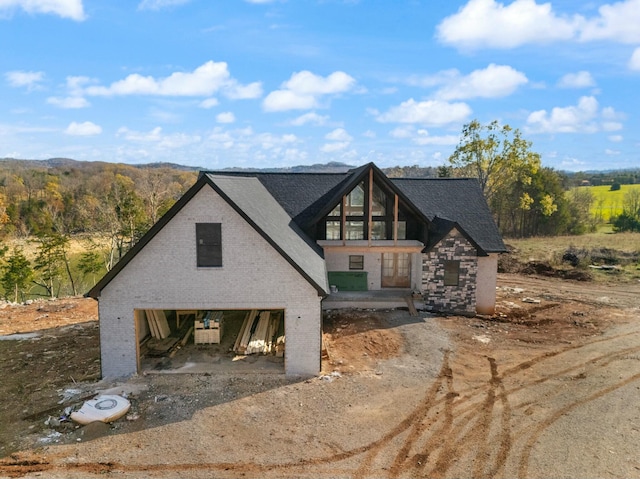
<point x="458" y="299"/>
<point x="337" y="260"/>
<point x="164" y="275"/>
<point x="487" y="281"/>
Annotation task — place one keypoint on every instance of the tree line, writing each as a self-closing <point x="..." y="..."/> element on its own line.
<point x="112" y="205"/>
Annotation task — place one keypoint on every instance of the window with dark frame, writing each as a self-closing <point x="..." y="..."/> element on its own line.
<point x="451" y="273"/>
<point x="209" y="244"/>
<point x="356" y="261"/>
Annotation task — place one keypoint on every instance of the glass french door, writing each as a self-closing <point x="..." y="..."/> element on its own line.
<point x="396" y="270"/>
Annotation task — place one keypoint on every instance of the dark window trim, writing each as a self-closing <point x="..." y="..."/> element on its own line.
<point x="356" y="261"/>
<point x="209" y="245"/>
<point x="452" y="272"/>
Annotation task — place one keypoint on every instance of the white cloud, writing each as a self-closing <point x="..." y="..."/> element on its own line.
<point x="86" y="128"/>
<point x="304" y="90"/>
<point x="340" y="140"/>
<point x="226" y="117"/>
<point x="69" y="102"/>
<point x="611" y="152"/>
<point x="160" y="4"/>
<point x="492" y="24"/>
<point x="236" y="91"/>
<point x="75" y="84"/>
<point x="64" y="8"/>
<point x="634" y="61"/>
<point x="487" y="23"/>
<point x="161" y="141"/>
<point x="616" y="22"/>
<point x="615" y="138"/>
<point x="581" y="79"/>
<point x="209" y="103"/>
<point x="424" y="138"/>
<point x="492" y="82"/>
<point x="205" y="80"/>
<point x="24" y="79"/>
<point x="339" y="134"/>
<point x="333" y="147"/>
<point x="430" y="112"/>
<point x="611" y="125"/>
<point x="402" y="132"/>
<point x="269" y="141"/>
<point x="571" y="119"/>
<point x="310" y="118"/>
<point x="369" y="134"/>
<point x="282" y="100"/>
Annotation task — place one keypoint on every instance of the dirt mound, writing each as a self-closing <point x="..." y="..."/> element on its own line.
<point x="509" y="264"/>
<point x="356" y="340"/>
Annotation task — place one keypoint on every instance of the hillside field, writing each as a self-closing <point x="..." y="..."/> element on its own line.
<point x="608" y="203"/>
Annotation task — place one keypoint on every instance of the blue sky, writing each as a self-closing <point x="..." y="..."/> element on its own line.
<point x="264" y="83"/>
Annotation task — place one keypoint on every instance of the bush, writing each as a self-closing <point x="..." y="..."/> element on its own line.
<point x="576" y="257"/>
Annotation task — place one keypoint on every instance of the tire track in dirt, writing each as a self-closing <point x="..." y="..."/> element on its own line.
<point x="482" y="413"/>
<point x="531" y="442"/>
<point x="415" y="418"/>
<point x="419" y="427"/>
<point x="464" y="427"/>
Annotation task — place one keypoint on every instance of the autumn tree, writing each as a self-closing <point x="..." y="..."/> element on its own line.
<point x="525" y="199"/>
<point x="496" y="155"/>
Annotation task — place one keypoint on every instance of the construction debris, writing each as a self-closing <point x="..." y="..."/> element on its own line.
<point x="261" y="333"/>
<point x="158" y="323"/>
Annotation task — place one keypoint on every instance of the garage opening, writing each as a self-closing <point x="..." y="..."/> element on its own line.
<point x="210" y="341"/>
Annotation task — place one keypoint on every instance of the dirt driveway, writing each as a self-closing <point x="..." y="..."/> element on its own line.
<point x="546" y="388"/>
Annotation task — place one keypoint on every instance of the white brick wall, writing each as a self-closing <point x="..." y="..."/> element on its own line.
<point x="253" y="276"/>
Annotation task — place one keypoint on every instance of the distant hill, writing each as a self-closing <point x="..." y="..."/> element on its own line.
<point x="331" y="167"/>
<point x="70" y="163"/>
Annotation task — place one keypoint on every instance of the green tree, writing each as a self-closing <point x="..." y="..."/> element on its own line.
<point x="52" y="262"/>
<point x="497" y="155"/>
<point x="91" y="264"/>
<point x="16" y="275"/>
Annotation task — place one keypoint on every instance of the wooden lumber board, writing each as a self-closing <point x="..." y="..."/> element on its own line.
<point x="161" y="347"/>
<point x="186" y="337"/>
<point x="246" y="337"/>
<point x="272" y="335"/>
<point x="163" y="324"/>
<point x="236" y="345"/>
<point x="256" y="345"/>
<point x="152" y="323"/>
<point x="412" y="307"/>
<point x="154" y="320"/>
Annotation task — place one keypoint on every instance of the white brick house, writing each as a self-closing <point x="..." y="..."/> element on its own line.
<point x="277" y="241"/>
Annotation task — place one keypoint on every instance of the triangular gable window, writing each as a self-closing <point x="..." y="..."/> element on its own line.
<point x="369" y="211"/>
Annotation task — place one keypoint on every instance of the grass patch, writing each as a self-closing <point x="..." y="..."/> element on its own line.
<point x="620" y="251"/>
<point x="608" y="203"/>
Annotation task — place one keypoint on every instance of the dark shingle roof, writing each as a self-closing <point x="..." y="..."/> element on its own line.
<point x="456" y="199"/>
<point x="304" y="195"/>
<point x="301" y="195"/>
<point x="252" y="201"/>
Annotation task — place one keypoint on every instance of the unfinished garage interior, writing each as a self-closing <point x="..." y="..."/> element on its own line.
<point x="210" y="341"/>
